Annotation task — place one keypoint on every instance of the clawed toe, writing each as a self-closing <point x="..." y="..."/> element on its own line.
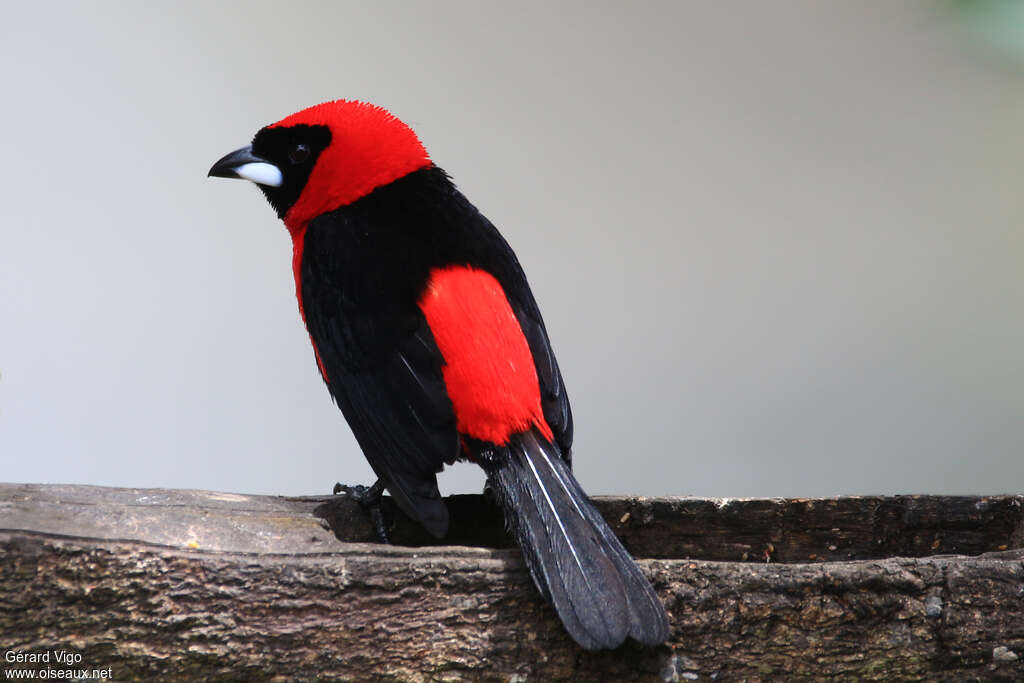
<point x="369" y="498"/>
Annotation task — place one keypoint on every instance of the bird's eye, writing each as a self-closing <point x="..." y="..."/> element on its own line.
<point x="298" y="153"/>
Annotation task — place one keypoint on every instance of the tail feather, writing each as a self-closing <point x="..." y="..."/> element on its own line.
<point x="576" y="561"/>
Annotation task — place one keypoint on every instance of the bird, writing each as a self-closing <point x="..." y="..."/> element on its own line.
<point x="432" y="345"/>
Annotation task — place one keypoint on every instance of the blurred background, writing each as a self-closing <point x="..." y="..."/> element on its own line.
<point x="777" y="245"/>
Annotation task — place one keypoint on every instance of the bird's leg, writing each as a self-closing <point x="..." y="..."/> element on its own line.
<point x="369" y="498"/>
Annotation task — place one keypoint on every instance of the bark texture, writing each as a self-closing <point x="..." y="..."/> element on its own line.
<point x="194" y="585"/>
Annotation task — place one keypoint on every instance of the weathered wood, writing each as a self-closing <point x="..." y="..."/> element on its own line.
<point x="193" y="585"/>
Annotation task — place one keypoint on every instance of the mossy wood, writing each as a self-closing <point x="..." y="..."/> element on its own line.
<point x="196" y="585"/>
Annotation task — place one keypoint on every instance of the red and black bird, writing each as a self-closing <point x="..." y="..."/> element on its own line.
<point x="431" y="343"/>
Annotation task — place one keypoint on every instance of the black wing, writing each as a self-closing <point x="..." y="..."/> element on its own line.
<point x="496" y="256"/>
<point x="553" y="398"/>
<point x="384" y="370"/>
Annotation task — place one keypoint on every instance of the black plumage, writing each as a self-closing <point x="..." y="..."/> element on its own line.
<point x="362" y="269"/>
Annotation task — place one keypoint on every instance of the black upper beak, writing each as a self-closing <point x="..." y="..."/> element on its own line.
<point x="226" y="165"/>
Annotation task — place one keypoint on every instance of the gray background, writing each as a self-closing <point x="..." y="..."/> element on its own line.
<point x="777" y="244"/>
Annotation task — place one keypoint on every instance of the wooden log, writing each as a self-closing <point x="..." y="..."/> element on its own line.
<point x="196" y="585"/>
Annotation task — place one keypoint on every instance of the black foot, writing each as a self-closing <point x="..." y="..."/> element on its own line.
<point x="369" y="498"/>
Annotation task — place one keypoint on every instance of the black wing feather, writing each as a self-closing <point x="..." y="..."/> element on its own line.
<point x="459" y="234"/>
<point x="501" y="261"/>
<point x="402" y="418"/>
<point x="553" y="397"/>
<point x="384" y="370"/>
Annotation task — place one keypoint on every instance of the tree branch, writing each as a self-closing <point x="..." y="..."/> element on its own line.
<point x="195" y="585"/>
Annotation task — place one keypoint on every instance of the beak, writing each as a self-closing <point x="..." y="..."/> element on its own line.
<point x="242" y="163"/>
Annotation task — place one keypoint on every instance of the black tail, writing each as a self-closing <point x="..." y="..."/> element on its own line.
<point x="576" y="561"/>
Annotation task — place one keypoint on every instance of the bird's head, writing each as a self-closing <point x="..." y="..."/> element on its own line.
<point x="325" y="157"/>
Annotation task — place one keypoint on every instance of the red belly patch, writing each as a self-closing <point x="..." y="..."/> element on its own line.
<point x="489" y="370"/>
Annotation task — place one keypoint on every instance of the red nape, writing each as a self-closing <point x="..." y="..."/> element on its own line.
<point x="489" y="370"/>
<point x="369" y="148"/>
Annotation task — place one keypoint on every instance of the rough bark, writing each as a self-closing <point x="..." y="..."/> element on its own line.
<point x="193" y="585"/>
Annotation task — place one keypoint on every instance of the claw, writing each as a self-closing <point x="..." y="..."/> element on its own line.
<point x="369" y="498"/>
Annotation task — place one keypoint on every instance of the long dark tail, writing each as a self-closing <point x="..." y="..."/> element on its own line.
<point x="576" y="561"/>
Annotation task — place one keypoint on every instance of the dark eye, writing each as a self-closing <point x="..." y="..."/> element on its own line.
<point x="298" y="153"/>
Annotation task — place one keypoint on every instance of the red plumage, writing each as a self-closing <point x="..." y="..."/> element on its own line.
<point x="489" y="370"/>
